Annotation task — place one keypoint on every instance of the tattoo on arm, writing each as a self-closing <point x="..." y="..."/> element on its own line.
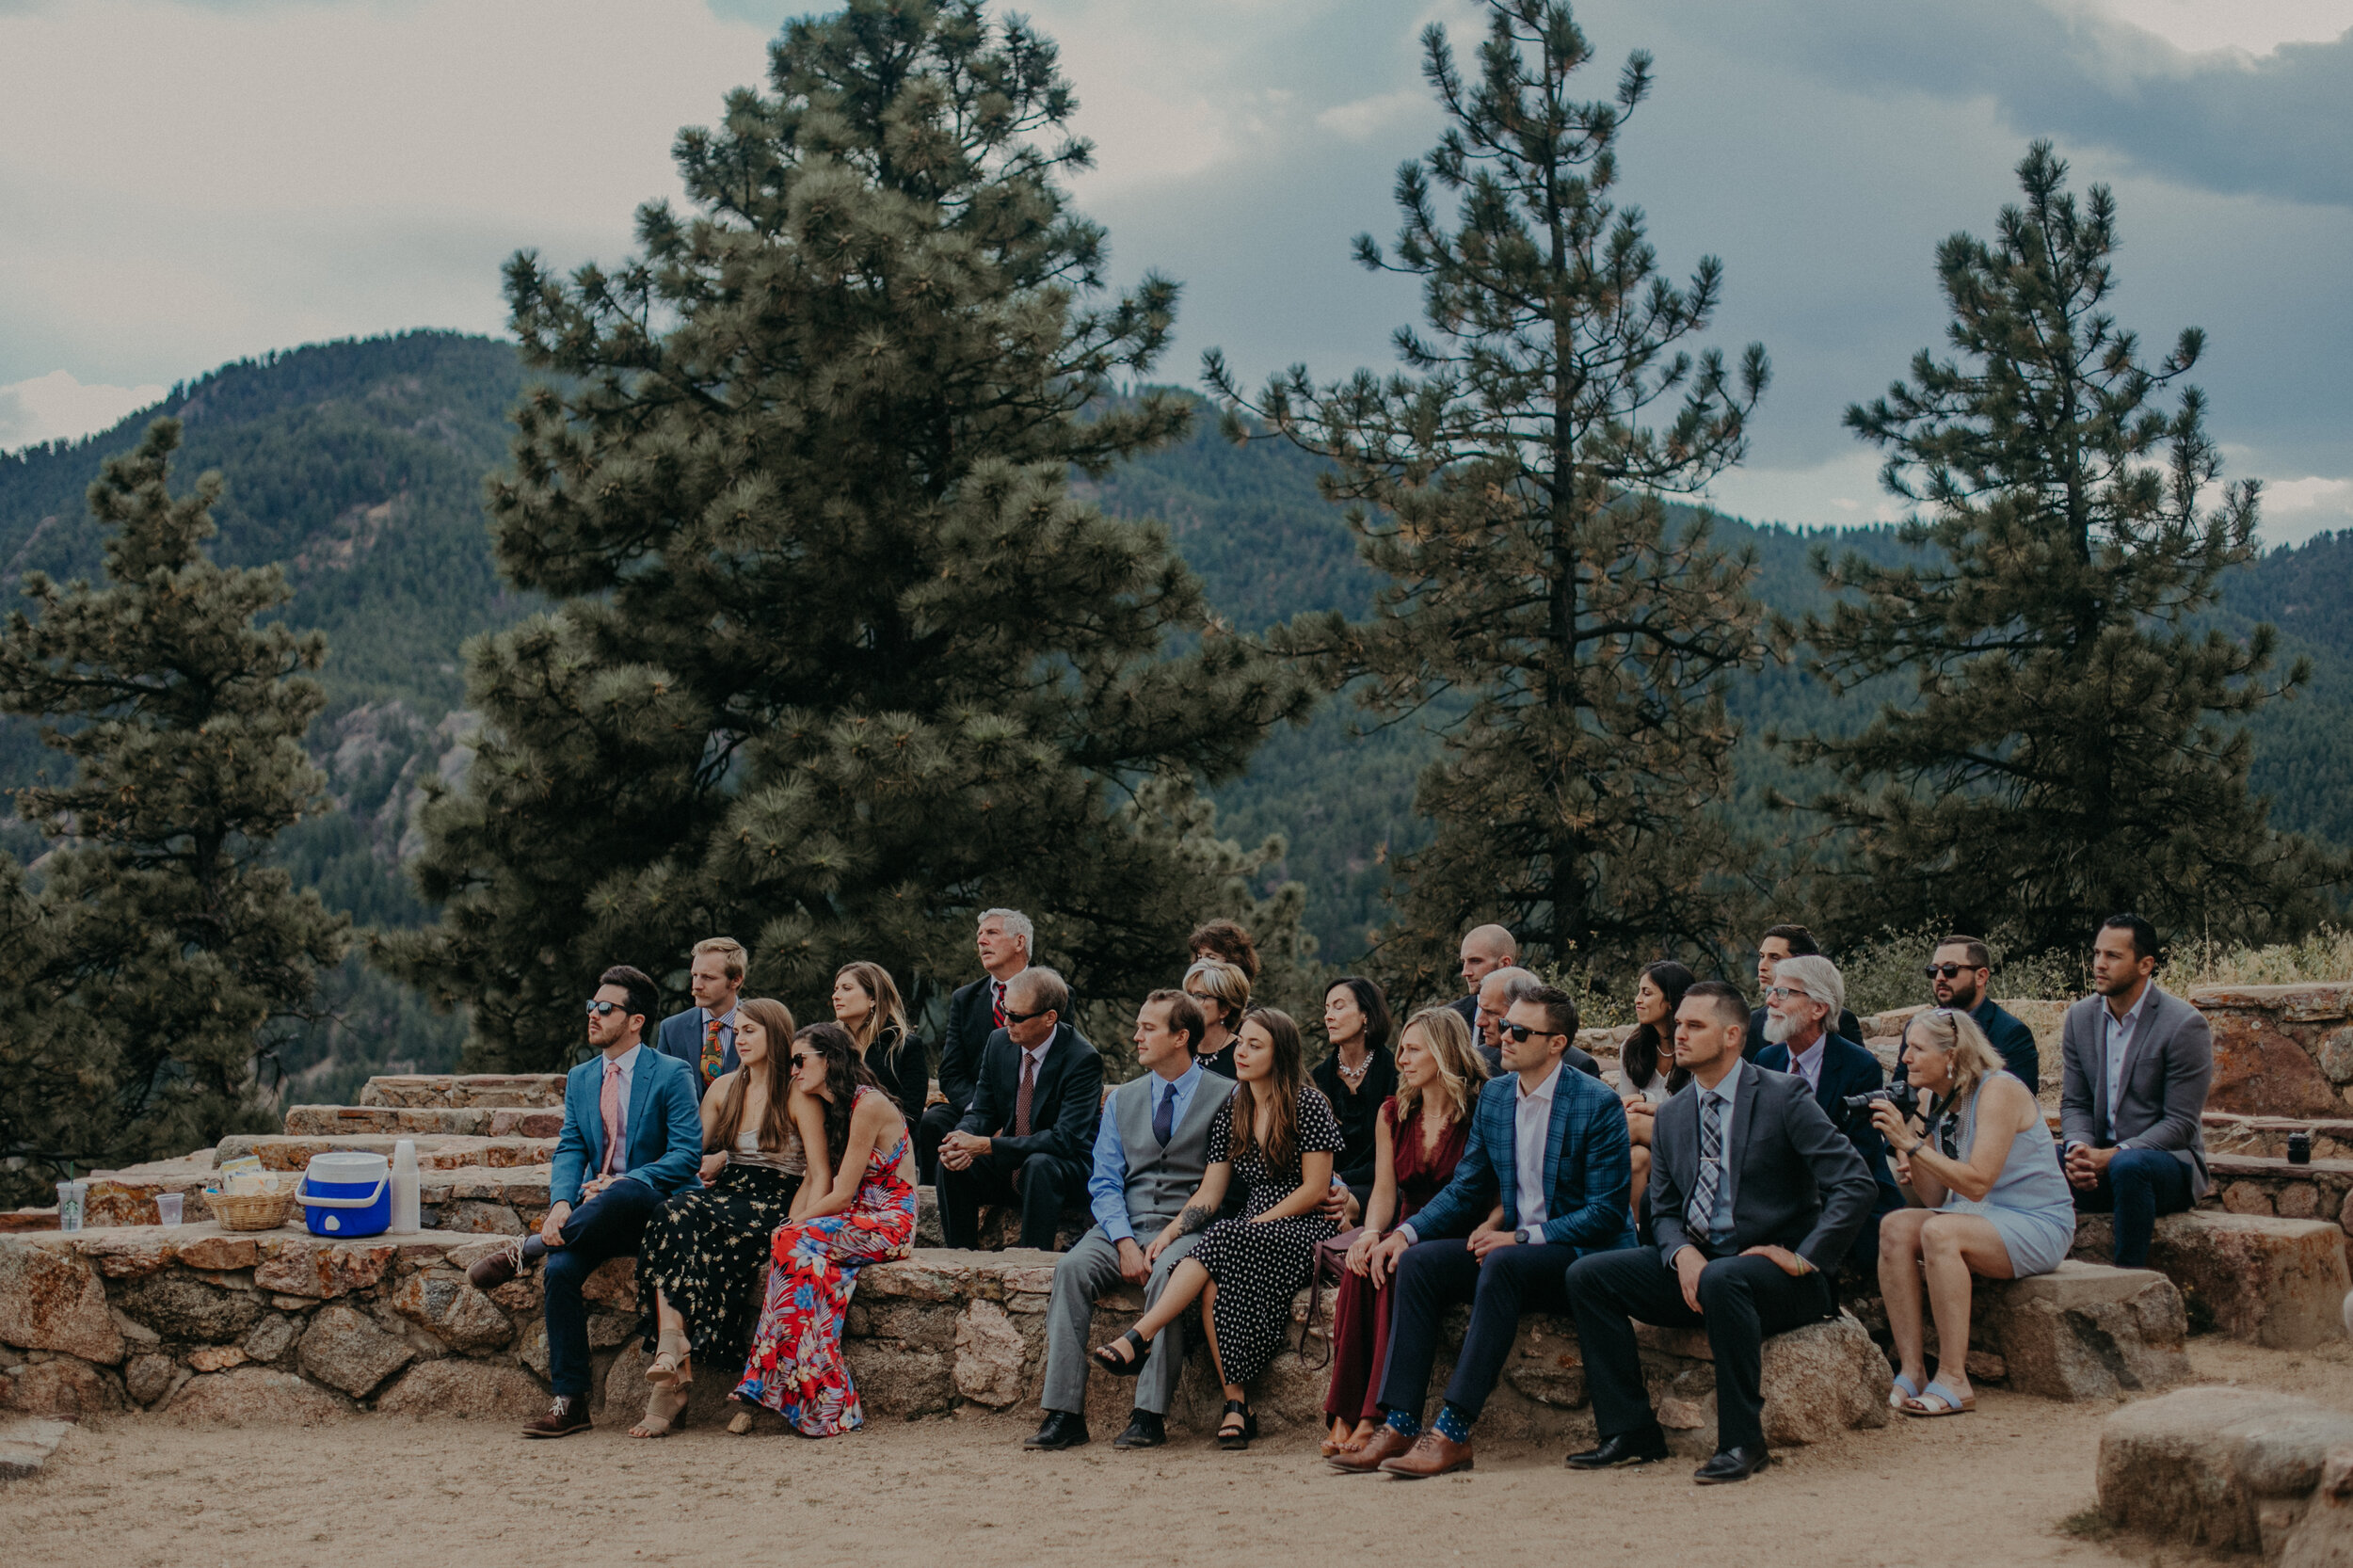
<point x="1194" y="1218"/>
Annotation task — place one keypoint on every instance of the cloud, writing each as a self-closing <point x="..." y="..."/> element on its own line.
<point x="1367" y="117"/>
<point x="2296" y="509"/>
<point x="55" y="407"/>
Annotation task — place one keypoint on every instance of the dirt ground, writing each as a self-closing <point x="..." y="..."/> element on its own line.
<point x="1997" y="1486"/>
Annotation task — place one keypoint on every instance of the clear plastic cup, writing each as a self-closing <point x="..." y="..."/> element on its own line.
<point x="167" y="1208"/>
<point x="71" y="1196"/>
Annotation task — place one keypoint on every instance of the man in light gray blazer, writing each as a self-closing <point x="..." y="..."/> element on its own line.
<point x="2136" y="1063"/>
<point x="1151" y="1148"/>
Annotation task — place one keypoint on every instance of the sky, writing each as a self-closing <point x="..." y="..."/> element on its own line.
<point x="187" y="181"/>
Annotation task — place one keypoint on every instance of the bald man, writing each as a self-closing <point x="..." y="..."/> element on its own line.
<point x="1485" y="950"/>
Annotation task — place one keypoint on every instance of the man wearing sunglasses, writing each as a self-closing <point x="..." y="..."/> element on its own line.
<point x="1960" y="975"/>
<point x="1029" y="1137"/>
<point x="1542" y="1181"/>
<point x="633" y="1135"/>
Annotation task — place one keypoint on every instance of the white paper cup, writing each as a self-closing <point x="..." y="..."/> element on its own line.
<point x="167" y="1208"/>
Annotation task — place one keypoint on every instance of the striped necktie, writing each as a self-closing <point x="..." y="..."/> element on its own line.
<point x="1699" y="1215"/>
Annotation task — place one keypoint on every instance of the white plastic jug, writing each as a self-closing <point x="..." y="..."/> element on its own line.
<point x="407" y="1209"/>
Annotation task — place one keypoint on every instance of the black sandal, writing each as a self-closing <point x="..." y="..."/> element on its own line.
<point x="1139" y="1347"/>
<point x="1235" y="1442"/>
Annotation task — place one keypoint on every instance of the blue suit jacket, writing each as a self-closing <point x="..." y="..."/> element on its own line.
<point x="680" y="1038"/>
<point x="1847" y="1069"/>
<point x="1589" y="1168"/>
<point x="664" y="1128"/>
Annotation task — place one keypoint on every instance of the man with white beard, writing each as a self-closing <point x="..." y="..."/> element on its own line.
<point x="1806" y="994"/>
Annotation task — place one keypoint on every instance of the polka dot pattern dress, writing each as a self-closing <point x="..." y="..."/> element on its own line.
<point x="1260" y="1268"/>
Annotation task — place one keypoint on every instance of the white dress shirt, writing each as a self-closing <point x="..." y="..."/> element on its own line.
<point x="1530" y="1126"/>
<point x="2119" y="1035"/>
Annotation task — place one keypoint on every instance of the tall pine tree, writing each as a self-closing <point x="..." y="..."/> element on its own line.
<point x="2070" y="748"/>
<point x="838" y="659"/>
<point x="164" y="944"/>
<point x="1508" y="486"/>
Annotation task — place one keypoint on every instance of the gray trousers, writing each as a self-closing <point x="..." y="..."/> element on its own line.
<point x="1087" y="1271"/>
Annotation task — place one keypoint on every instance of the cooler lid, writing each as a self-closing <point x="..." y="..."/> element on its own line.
<point x="349" y="1166"/>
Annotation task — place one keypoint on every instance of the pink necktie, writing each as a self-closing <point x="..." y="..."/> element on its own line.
<point x="609" y="1106"/>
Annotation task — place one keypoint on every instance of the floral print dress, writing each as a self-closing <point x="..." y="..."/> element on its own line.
<point x="795" y="1367"/>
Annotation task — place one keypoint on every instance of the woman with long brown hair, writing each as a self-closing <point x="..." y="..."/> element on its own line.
<point x="1417" y="1139"/>
<point x="866" y="1003"/>
<point x="701" y="1258"/>
<point x="1278" y="1133"/>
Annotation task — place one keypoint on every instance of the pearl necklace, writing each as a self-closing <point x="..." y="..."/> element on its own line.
<point x="1354" y="1078"/>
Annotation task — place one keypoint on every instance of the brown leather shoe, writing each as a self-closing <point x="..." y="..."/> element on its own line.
<point x="1387" y="1442"/>
<point x="491" y="1273"/>
<point x="567" y="1415"/>
<point x="1434" y="1454"/>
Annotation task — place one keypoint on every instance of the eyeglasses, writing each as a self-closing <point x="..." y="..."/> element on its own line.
<point x="606" y="1009"/>
<point x="1946" y="972"/>
<point x="1013" y="1018"/>
<point x="1520" y="1032"/>
<point x="1784" y="992"/>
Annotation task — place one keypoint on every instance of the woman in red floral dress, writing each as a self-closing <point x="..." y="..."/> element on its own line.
<point x="795" y="1367"/>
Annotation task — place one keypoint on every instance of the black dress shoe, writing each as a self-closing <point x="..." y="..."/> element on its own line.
<point x="1062" y="1429"/>
<point x="1145" y="1430"/>
<point x="1730" y="1464"/>
<point x="1628" y="1447"/>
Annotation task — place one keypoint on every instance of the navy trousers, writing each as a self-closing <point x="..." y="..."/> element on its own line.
<point x="2138" y="1185"/>
<point x="1432" y="1276"/>
<point x="608" y="1226"/>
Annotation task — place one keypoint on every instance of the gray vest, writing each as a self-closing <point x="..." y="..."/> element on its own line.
<point x="1161" y="1180"/>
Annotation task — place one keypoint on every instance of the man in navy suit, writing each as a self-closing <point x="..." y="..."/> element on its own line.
<point x="703" y="1036"/>
<point x="632" y="1137"/>
<point x="1542" y="1181"/>
<point x="1806" y="994"/>
<point x="1003" y="939"/>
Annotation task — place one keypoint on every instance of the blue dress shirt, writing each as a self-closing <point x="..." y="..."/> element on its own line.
<point x="1107" y="1183"/>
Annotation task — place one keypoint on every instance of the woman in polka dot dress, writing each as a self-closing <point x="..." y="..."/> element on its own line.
<point x="1277" y="1135"/>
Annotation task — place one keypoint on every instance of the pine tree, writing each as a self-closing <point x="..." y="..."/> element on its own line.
<point x="1507" y="487"/>
<point x="164" y="942"/>
<point x="839" y="659"/>
<point x="2068" y="750"/>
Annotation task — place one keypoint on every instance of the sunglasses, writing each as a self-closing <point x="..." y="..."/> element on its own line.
<point x="801" y="1059"/>
<point x="1520" y="1032"/>
<point x="606" y="1009"/>
<point x="1013" y="1018"/>
<point x="1946" y="972"/>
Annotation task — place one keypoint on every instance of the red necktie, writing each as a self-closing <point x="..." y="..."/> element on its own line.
<point x="1028" y="1093"/>
<point x="996" y="1001"/>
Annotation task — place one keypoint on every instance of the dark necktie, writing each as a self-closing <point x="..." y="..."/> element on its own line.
<point x="1028" y="1093"/>
<point x="1699" y="1214"/>
<point x="1164" y="1114"/>
<point x="997" y="1001"/>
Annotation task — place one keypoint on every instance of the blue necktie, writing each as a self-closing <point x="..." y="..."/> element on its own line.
<point x="1164" y="1114"/>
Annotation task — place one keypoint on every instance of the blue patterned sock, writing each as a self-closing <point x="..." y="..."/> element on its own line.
<point x="1405" y="1423"/>
<point x="1452" y="1425"/>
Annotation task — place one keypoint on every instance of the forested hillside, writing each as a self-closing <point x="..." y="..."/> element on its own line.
<point x="359" y="465"/>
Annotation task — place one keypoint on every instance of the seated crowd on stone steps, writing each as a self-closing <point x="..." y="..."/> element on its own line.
<point x="1474" y="1156"/>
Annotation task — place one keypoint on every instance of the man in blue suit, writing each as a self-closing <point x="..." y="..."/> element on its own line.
<point x="703" y="1036"/>
<point x="1542" y="1181"/>
<point x="1806" y="994"/>
<point x="632" y="1137"/>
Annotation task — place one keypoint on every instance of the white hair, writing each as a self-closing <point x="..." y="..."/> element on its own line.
<point x="1518" y="984"/>
<point x="1016" y="924"/>
<point x="1818" y="978"/>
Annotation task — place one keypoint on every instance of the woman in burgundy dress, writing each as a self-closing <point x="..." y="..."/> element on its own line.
<point x="1418" y="1137"/>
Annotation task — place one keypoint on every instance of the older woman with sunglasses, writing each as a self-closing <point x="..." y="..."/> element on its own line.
<point x="1998" y="1205"/>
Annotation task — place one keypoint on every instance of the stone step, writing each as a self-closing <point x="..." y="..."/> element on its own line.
<point x="535" y="1091"/>
<point x="2268" y="1136"/>
<point x="2279" y="1283"/>
<point x="2084" y="1331"/>
<point x="2265" y="1186"/>
<point x="435" y="1152"/>
<point x="2232" y="1470"/>
<point x="478" y="1121"/>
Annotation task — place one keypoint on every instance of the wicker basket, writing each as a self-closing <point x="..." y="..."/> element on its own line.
<point x="251" y="1210"/>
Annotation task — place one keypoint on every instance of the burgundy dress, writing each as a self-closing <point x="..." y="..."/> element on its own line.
<point x="1360" y="1316"/>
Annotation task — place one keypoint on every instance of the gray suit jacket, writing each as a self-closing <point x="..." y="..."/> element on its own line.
<point x="1796" y="1180"/>
<point x="2166" y="1069"/>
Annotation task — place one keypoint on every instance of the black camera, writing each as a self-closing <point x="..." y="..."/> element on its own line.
<point x="1903" y="1097"/>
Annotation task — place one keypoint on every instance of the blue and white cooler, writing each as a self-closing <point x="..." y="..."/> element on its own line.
<point x="346" y="1194"/>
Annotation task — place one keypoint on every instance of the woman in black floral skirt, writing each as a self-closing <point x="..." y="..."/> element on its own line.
<point x="703" y="1254"/>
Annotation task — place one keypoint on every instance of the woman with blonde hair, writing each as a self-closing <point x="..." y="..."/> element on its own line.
<point x="1998" y="1205"/>
<point x="866" y="1003"/>
<point x="1417" y="1139"/>
<point x="762" y="1140"/>
<point x="1221" y="991"/>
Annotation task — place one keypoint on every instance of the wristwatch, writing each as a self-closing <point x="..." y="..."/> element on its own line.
<point x="1526" y="1236"/>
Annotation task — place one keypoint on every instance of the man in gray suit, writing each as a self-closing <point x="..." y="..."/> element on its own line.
<point x="1754" y="1198"/>
<point x="2134" y="1066"/>
<point x="1150" y="1150"/>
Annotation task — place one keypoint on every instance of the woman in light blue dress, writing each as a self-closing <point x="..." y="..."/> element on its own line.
<point x="1998" y="1204"/>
